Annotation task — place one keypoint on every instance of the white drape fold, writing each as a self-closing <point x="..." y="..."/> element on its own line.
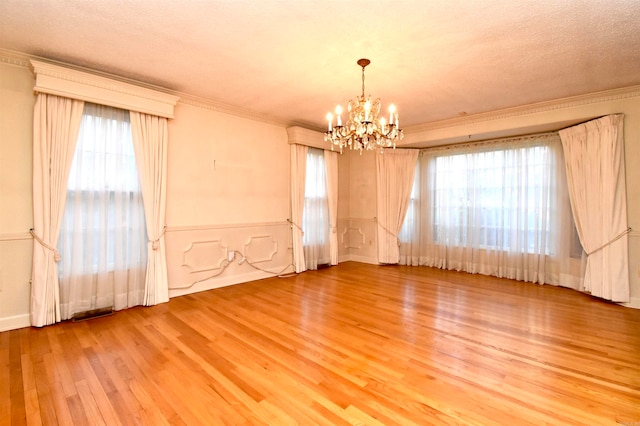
<point x="395" y="170"/>
<point x="56" y="123"/>
<point x="331" y="163"/>
<point x="150" y="142"/>
<point x="298" y="174"/>
<point x="594" y="154"/>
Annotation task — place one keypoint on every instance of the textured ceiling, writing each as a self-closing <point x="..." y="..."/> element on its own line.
<point x="294" y="60"/>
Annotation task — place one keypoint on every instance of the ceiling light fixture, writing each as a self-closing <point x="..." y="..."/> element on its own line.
<point x="363" y="130"/>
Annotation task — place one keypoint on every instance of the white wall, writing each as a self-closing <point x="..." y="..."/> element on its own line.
<point x="227" y="191"/>
<point x="16" y="218"/>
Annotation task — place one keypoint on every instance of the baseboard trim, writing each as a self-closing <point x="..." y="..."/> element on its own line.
<point x="633" y="302"/>
<point x="363" y="259"/>
<point x="15" y="322"/>
<point x="214" y="283"/>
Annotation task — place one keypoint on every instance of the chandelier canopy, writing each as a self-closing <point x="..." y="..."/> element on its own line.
<point x="363" y="129"/>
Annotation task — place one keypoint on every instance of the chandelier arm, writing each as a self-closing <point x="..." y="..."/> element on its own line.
<point x="361" y="131"/>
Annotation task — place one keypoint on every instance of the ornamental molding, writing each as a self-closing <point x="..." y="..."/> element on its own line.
<point x="13" y="58"/>
<point x="535" y="108"/>
<point x="73" y="83"/>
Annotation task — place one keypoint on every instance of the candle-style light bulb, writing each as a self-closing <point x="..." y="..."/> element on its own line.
<point x="392" y="109"/>
<point x="367" y="108"/>
<point x="339" y="115"/>
<point x="329" y="119"/>
<point x="383" y="123"/>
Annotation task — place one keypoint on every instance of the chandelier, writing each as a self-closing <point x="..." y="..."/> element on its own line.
<point x="363" y="129"/>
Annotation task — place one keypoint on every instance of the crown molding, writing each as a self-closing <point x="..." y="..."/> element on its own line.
<point x="535" y="108"/>
<point x="23" y="60"/>
<point x="211" y="105"/>
<point x="17" y="59"/>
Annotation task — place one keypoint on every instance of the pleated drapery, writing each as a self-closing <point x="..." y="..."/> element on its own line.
<point x="594" y="153"/>
<point x="56" y="123"/>
<point x="150" y="142"/>
<point x="331" y="163"/>
<point x="298" y="174"/>
<point x="395" y="170"/>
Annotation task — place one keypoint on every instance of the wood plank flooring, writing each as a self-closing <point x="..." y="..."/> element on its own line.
<point x="352" y="344"/>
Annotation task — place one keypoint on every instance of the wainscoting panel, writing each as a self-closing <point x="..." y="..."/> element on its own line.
<point x="206" y="257"/>
<point x="357" y="240"/>
<point x="203" y="256"/>
<point x="261" y="248"/>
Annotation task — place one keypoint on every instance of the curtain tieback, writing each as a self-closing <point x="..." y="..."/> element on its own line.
<point x="394" y="235"/>
<point x="296" y="225"/>
<point x="155" y="244"/>
<point x="56" y="254"/>
<point x="613" y="240"/>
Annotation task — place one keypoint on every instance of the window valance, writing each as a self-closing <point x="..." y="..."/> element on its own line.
<point x="74" y="84"/>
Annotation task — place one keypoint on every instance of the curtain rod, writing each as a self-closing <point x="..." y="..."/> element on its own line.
<point x="531" y="136"/>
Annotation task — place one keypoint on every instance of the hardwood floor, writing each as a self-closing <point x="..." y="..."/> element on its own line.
<point x="352" y="344"/>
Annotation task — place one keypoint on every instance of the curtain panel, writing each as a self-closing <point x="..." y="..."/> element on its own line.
<point x="496" y="208"/>
<point x="150" y="142"/>
<point x="103" y="238"/>
<point x="298" y="174"/>
<point x="56" y="124"/>
<point x="595" y="167"/>
<point x="394" y="180"/>
<point x="331" y="163"/>
<point x="315" y="216"/>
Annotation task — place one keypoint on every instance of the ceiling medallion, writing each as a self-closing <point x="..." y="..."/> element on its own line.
<point x="363" y="129"/>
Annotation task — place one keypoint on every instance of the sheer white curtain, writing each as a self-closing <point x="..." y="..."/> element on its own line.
<point x="315" y="217"/>
<point x="596" y="172"/>
<point x="56" y="122"/>
<point x="150" y="142"/>
<point x="103" y="238"/>
<point x="331" y="163"/>
<point x="499" y="208"/>
<point x="298" y="174"/>
<point x="395" y="170"/>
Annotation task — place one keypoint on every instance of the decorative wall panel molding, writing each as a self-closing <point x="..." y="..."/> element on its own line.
<point x="203" y="256"/>
<point x="353" y="238"/>
<point x="195" y="249"/>
<point x="260" y="248"/>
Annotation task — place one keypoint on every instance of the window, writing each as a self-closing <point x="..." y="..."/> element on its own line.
<point x="315" y="216"/>
<point x="103" y="238"/>
<point x="495" y="199"/>
<point x="500" y="208"/>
